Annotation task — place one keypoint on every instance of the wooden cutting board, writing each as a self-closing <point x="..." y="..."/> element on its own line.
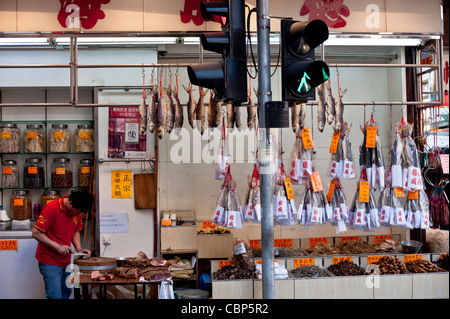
<point x="96" y="263"/>
<point x="144" y="191"/>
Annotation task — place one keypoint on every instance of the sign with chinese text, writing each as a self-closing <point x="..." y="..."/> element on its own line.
<point x="121" y="183"/>
<point x="8" y="244"/>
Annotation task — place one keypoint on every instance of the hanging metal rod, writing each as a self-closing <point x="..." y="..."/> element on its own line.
<point x="125" y="160"/>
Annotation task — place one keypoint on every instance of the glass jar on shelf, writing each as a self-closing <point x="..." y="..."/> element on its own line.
<point x="62" y="175"/>
<point x="20" y="202"/>
<point x="84" y="172"/>
<point x="84" y="139"/>
<point x="10" y="174"/>
<point x="34" y="139"/>
<point x="59" y="139"/>
<point x="9" y="138"/>
<point x="33" y="173"/>
<point x="48" y="196"/>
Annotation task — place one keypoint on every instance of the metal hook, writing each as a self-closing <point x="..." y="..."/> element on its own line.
<point x="176" y="71"/>
<point x="143" y="71"/>
<point x="373" y="108"/>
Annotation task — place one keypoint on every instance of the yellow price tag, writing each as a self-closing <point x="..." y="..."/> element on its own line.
<point x="373" y="259"/>
<point x="307" y="139"/>
<point x="371" y="137"/>
<point x="288" y="186"/>
<point x="364" y="192"/>
<point x="413" y="257"/>
<point x="335" y="142"/>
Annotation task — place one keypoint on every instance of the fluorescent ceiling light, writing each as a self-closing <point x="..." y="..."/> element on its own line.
<point x="332" y="41"/>
<point x="118" y="40"/>
<point x="23" y="41"/>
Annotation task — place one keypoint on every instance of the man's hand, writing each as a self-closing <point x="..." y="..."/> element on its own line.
<point x="63" y="249"/>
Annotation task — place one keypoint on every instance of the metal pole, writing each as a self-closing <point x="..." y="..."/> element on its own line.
<point x="266" y="165"/>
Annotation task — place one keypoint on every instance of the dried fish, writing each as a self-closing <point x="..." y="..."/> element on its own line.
<point x="143" y="113"/>
<point x="237" y="117"/>
<point x="302" y="116"/>
<point x="230" y="115"/>
<point x="212" y="110"/>
<point x="331" y="111"/>
<point x="153" y="110"/>
<point x="251" y="111"/>
<point x="339" y="121"/>
<point x="321" y="109"/>
<point x="179" y="117"/>
<point x="200" y="111"/>
<point x="170" y="121"/>
<point x="295" y="116"/>
<point x="162" y="113"/>
<point x="191" y="105"/>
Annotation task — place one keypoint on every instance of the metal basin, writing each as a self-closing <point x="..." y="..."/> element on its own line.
<point x="411" y="246"/>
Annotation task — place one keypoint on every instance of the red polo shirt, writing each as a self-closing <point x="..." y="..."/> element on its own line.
<point x="59" y="226"/>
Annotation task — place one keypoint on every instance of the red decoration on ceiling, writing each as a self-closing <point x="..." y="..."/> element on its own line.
<point x="80" y="13"/>
<point x="329" y="11"/>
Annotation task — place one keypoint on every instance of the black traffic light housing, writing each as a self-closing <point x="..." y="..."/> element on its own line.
<point x="300" y="72"/>
<point x="228" y="77"/>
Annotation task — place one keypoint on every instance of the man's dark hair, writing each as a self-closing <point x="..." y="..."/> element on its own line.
<point x="81" y="200"/>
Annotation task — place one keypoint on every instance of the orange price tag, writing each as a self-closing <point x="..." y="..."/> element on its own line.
<point x="166" y="222"/>
<point x="371" y="137"/>
<point x="302" y="262"/>
<point x="32" y="170"/>
<point x="8" y="244"/>
<point x="316" y="182"/>
<point x="208" y="224"/>
<point x="225" y="263"/>
<point x="373" y="259"/>
<point x="413" y="257"/>
<point x="335" y="142"/>
<point x="84" y="135"/>
<point x="6" y="134"/>
<point x="380" y="238"/>
<point x="282" y="242"/>
<point x="85" y="170"/>
<point x="18" y="202"/>
<point x="349" y="238"/>
<point x="254" y="243"/>
<point x="289" y="190"/>
<point x="413" y="194"/>
<point x="364" y="191"/>
<point x="58" y="135"/>
<point x="313" y="241"/>
<point x="60" y="171"/>
<point x="307" y="139"/>
<point x="399" y="192"/>
<point x="331" y="190"/>
<point x="259" y="261"/>
<point x="31" y="135"/>
<point x="337" y="260"/>
<point x="7" y="170"/>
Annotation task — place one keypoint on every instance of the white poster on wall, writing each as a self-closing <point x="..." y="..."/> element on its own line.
<point x="114" y="222"/>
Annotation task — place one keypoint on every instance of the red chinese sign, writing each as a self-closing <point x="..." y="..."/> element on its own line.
<point x="329" y="11"/>
<point x="191" y="12"/>
<point x="80" y="13"/>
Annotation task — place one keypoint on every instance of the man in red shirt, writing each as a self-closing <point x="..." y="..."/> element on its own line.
<point x="57" y="227"/>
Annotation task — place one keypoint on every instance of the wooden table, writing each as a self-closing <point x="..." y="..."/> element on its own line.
<point x="85" y="281"/>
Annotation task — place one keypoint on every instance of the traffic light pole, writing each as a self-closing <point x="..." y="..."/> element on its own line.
<point x="265" y="150"/>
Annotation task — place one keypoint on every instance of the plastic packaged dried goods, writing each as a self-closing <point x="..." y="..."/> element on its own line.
<point x="84" y="138"/>
<point x="10" y="175"/>
<point x="59" y="138"/>
<point x="9" y="138"/>
<point x="20" y="202"/>
<point x="34" y="139"/>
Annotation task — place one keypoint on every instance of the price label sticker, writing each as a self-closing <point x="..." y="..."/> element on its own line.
<point x="259" y="261"/>
<point x="288" y="186"/>
<point x="444" y="162"/>
<point x="302" y="262"/>
<point x="373" y="259"/>
<point x="413" y="257"/>
<point x="307" y="138"/>
<point x="18" y="202"/>
<point x="166" y="222"/>
<point x="413" y="194"/>
<point x="8" y="244"/>
<point x="331" y="190"/>
<point x="6" y="135"/>
<point x="58" y="135"/>
<point x="313" y="241"/>
<point x="399" y="192"/>
<point x="335" y="142"/>
<point x="60" y="171"/>
<point x="225" y="263"/>
<point x="380" y="238"/>
<point x="371" y="137"/>
<point x="282" y="242"/>
<point x="349" y="238"/>
<point x="208" y="224"/>
<point x="364" y="192"/>
<point x="337" y="260"/>
<point x="85" y="169"/>
<point x="254" y="243"/>
<point x="7" y="170"/>
<point x="316" y="182"/>
<point x="31" y="135"/>
<point x="32" y="170"/>
<point x="84" y="135"/>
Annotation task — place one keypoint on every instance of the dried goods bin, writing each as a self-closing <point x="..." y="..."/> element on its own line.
<point x="232" y="289"/>
<point x="392" y="286"/>
<point x="284" y="288"/>
<point x="430" y="286"/>
<point x="353" y="287"/>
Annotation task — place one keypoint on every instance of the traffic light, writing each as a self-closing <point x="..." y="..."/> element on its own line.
<point x="227" y="77"/>
<point x="300" y="72"/>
